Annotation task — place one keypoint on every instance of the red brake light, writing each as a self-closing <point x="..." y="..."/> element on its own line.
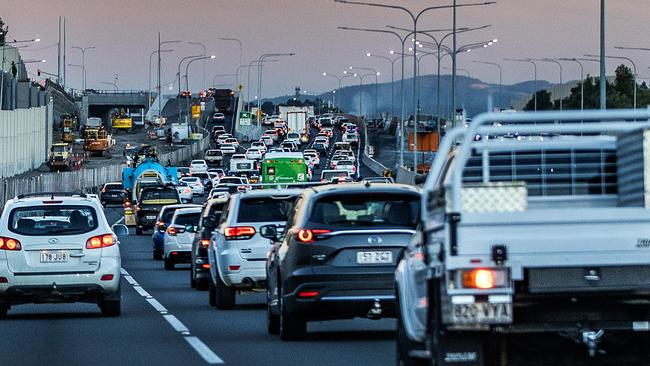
<point x="205" y="243"/>
<point x="205" y="266"/>
<point x="171" y="231"/>
<point x="307" y="236"/>
<point x="100" y="241"/>
<point x="239" y="232"/>
<point x="10" y="244"/>
<point x="307" y="294"/>
<point x="107" y="277"/>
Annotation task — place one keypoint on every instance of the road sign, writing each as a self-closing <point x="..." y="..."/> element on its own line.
<point x="245" y="118"/>
<point x="202" y="106"/>
<point x="196" y="111"/>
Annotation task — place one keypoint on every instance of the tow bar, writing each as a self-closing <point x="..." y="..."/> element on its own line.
<point x="591" y="339"/>
<point x="376" y="311"/>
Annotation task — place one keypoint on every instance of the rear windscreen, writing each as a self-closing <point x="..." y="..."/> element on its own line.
<point x="52" y="220"/>
<point x="265" y="209"/>
<point x="379" y="209"/>
<point x="187" y="219"/>
<point x="167" y="215"/>
<point x="159" y="196"/>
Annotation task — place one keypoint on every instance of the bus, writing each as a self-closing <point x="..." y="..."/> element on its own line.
<point x="285" y="167"/>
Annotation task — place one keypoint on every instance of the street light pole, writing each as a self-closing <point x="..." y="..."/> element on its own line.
<point x="187" y="68"/>
<point x="500" y="71"/>
<point x="259" y="75"/>
<point x="633" y="76"/>
<point x="392" y="79"/>
<point x="241" y="50"/>
<point x="603" y="76"/>
<point x="220" y="76"/>
<point x="561" y="81"/>
<point x="159" y="86"/>
<point x="149" y="85"/>
<point x="204" y="53"/>
<point x="374" y="112"/>
<point x="582" y="81"/>
<point x="534" y="71"/>
<point x="83" y="62"/>
<point x="83" y="72"/>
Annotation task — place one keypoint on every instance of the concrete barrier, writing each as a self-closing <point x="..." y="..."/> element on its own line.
<point x="366" y="158"/>
<point x="25" y="140"/>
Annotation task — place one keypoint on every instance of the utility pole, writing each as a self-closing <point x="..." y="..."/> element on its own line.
<point x="158" y="87"/>
<point x="603" y="77"/>
<point x="58" y="57"/>
<point x="65" y="45"/>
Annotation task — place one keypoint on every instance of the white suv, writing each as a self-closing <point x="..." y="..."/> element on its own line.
<point x="180" y="235"/>
<point x="237" y="251"/>
<point x="58" y="247"/>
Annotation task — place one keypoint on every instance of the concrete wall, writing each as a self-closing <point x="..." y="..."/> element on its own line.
<point x="25" y="140"/>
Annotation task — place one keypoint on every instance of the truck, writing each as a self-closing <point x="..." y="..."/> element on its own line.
<point x="297" y="121"/>
<point x="283" y="110"/>
<point x="545" y="233"/>
<point x="60" y="158"/>
<point x="122" y="121"/>
<point x="69" y="125"/>
<point x="148" y="170"/>
<point x="96" y="140"/>
<point x="223" y="100"/>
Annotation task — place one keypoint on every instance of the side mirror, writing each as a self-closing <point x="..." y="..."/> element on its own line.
<point x="190" y="228"/>
<point x="120" y="230"/>
<point x="209" y="222"/>
<point x="269" y="232"/>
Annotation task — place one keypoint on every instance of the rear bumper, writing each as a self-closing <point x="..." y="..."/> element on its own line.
<point x="179" y="252"/>
<point x="144" y="223"/>
<point x="342" y="296"/>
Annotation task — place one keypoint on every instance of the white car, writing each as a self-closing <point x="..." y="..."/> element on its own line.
<point x="351" y="137"/>
<point x="59" y="247"/>
<point x="237" y="251"/>
<point x="331" y="175"/>
<point x="260" y="145"/>
<point x="346" y="165"/>
<point x="337" y="159"/>
<point x="228" y="149"/>
<point x="347" y="153"/>
<point x="313" y="158"/>
<point x="222" y="138"/>
<point x="294" y="137"/>
<point x="198" y="166"/>
<point x="238" y="157"/>
<point x="267" y="140"/>
<point x="185" y="192"/>
<point x="180" y="235"/>
<point x="232" y="141"/>
<point x="254" y="153"/>
<point x="195" y="184"/>
<point x="323" y="140"/>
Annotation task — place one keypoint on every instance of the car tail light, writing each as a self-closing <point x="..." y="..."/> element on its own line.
<point x="483" y="278"/>
<point x="205" y="243"/>
<point x="308" y="294"/>
<point x="9" y="244"/>
<point x="308" y="236"/>
<point x="205" y="266"/>
<point x="234" y="268"/>
<point x="239" y="232"/>
<point x="107" y="277"/>
<point x="173" y="231"/>
<point x="4" y="280"/>
<point x="101" y="241"/>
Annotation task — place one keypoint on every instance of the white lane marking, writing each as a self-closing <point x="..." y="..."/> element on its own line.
<point x="130" y="280"/>
<point x="141" y="291"/>
<point x="175" y="323"/>
<point x="124" y="272"/>
<point x="203" y="350"/>
<point x="157" y="305"/>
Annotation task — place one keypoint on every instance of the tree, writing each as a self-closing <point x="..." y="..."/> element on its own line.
<point x="268" y="107"/>
<point x="543" y="101"/>
<point x="4" y="29"/>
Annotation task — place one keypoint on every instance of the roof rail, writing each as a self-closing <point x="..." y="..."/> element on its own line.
<point x="51" y="194"/>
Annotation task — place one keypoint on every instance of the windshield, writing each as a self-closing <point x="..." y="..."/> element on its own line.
<point x="53" y="220"/>
<point x="159" y="196"/>
<point x="187" y="219"/>
<point x="214" y="153"/>
<point x="394" y="210"/>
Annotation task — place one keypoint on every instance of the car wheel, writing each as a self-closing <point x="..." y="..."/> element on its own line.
<point x="169" y="264"/>
<point x="192" y="280"/>
<point x="212" y="293"/>
<point x="272" y="320"/>
<point x="112" y="306"/>
<point x="225" y="295"/>
<point x="202" y="285"/>
<point x="405" y="346"/>
<point x="4" y="309"/>
<point x="157" y="255"/>
<point x="291" y="327"/>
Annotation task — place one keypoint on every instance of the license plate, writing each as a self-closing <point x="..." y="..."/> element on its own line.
<point x="151" y="217"/>
<point x="374" y="257"/>
<point x="54" y="257"/>
<point x="482" y="313"/>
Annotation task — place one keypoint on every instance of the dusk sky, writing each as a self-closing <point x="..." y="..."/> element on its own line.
<point x="125" y="33"/>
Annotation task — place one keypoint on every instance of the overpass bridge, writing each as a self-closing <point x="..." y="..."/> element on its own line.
<point x="100" y="103"/>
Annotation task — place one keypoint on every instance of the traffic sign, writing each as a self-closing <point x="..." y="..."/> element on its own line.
<point x="196" y="111"/>
<point x="202" y="106"/>
<point x="245" y="118"/>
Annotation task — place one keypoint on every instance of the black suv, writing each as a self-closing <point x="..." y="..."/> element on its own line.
<point x="112" y="193"/>
<point x="200" y="268"/>
<point x="150" y="201"/>
<point x="337" y="256"/>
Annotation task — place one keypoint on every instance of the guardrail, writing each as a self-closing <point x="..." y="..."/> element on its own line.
<point x="88" y="180"/>
<point x="377" y="167"/>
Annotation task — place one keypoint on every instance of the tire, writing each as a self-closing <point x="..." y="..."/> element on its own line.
<point x="157" y="255"/>
<point x="405" y="346"/>
<point x="113" y="306"/>
<point x="169" y="264"/>
<point x="4" y="309"/>
<point x="192" y="280"/>
<point x="292" y="328"/>
<point x="202" y="285"/>
<point x="272" y="320"/>
<point x="212" y="293"/>
<point x="225" y="296"/>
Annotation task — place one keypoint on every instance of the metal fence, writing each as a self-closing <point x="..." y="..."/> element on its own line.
<point x="87" y="180"/>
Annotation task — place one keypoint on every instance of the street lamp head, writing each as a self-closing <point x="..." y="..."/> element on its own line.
<point x="213" y="56"/>
<point x="43" y="61"/>
<point x="495" y="40"/>
<point x="368" y="54"/>
<point x="350" y="68"/>
<point x="392" y="52"/>
<point x="324" y="74"/>
<point x="37" y="40"/>
<point x="355" y="74"/>
<point x="378" y="73"/>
